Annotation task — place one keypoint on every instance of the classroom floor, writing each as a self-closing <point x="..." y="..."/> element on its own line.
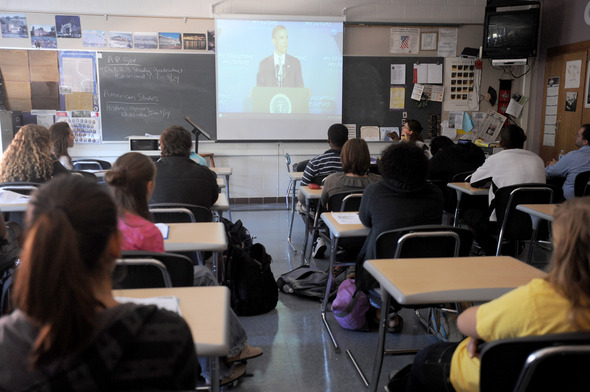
<point x="298" y="352"/>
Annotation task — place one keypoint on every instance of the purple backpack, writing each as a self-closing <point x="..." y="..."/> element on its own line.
<point x="351" y="306"/>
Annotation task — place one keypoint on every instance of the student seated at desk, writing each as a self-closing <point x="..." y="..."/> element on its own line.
<point x="356" y="159"/>
<point x="402" y="198"/>
<point x="67" y="322"/>
<point x="131" y="180"/>
<point x="28" y="157"/>
<point x="513" y="165"/>
<point x="556" y="304"/>
<point x="62" y="138"/>
<point x="179" y="179"/>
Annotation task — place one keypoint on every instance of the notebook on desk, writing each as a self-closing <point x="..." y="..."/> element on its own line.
<point x="164" y="229"/>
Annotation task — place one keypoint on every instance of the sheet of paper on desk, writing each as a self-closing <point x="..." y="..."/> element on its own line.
<point x="165" y="302"/>
<point x="13" y="197"/>
<point x="347" y="218"/>
<point x="164" y="229"/>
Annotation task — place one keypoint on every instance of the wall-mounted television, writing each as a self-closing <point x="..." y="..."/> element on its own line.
<point x="511" y="31"/>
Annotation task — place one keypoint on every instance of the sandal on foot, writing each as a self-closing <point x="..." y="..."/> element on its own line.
<point x="247" y="353"/>
<point x="238" y="370"/>
<point x="395" y="323"/>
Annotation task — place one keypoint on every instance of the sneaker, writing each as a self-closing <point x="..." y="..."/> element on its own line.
<point x="319" y="249"/>
<point x="237" y="371"/>
<point x="247" y="353"/>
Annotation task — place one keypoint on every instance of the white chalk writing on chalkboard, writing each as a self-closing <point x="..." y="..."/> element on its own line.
<point x="148" y="92"/>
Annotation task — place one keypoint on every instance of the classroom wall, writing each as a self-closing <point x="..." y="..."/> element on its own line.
<point x="560" y="25"/>
<point x="259" y="169"/>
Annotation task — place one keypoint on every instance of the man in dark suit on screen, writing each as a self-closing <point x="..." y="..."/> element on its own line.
<point x="279" y="69"/>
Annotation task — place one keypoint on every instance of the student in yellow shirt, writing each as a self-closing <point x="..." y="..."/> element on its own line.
<point x="559" y="303"/>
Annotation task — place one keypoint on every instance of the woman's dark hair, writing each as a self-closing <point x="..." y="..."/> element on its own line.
<point x="176" y="142"/>
<point x="69" y="223"/>
<point x="438" y="143"/>
<point x="404" y="163"/>
<point x="60" y="136"/>
<point x="128" y="180"/>
<point x="416" y="129"/>
<point x="355" y="157"/>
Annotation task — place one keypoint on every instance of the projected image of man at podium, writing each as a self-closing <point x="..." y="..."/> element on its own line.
<point x="279" y="69"/>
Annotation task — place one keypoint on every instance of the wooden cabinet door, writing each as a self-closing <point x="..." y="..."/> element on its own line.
<point x="568" y="122"/>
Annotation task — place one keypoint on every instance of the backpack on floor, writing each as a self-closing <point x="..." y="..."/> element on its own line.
<point x="304" y="281"/>
<point x="248" y="275"/>
<point x="351" y="307"/>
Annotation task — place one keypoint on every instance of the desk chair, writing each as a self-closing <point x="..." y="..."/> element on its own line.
<point x="24" y="188"/>
<point x="179" y="267"/>
<point x="555" y="362"/>
<point x="581" y="184"/>
<point x="182" y="213"/>
<point x="179" y="212"/>
<point x="140" y="273"/>
<point x="339" y="202"/>
<point x="516" y="225"/>
<point x="91" y="164"/>
<point x="414" y="242"/>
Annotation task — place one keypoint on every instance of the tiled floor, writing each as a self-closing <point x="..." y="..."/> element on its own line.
<point x="298" y="353"/>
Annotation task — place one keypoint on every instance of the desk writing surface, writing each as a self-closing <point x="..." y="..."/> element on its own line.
<point x="443" y="280"/>
<point x="193" y="237"/>
<point x="224" y="171"/>
<point x="543" y="211"/>
<point x="311" y="194"/>
<point x="344" y="230"/>
<point x="205" y="309"/>
<point x="221" y="204"/>
<point x="296" y="176"/>
<point x="466" y="187"/>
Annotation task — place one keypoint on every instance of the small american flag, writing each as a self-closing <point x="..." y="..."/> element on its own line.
<point x="405" y="42"/>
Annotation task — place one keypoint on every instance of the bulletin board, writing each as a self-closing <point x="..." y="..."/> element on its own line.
<point x="366" y="92"/>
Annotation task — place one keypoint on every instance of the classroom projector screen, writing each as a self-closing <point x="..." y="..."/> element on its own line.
<point x="278" y="79"/>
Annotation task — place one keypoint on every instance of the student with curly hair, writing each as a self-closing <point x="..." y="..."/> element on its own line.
<point x="62" y="138"/>
<point x="28" y="157"/>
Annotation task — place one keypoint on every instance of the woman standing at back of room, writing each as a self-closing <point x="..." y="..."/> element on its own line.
<point x="62" y="138"/>
<point x="28" y="157"/>
<point x="131" y="180"/>
<point x="68" y="332"/>
<point x="412" y="133"/>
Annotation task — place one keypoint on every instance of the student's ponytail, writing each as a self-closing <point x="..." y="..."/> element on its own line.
<point x="69" y="224"/>
<point x="55" y="288"/>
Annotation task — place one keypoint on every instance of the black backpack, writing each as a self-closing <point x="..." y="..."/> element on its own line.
<point x="304" y="281"/>
<point x="248" y="274"/>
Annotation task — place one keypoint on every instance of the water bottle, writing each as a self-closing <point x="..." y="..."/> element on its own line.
<point x="561" y="154"/>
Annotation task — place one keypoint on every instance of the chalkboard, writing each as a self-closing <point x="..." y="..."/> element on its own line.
<point x="148" y="92"/>
<point x="366" y="90"/>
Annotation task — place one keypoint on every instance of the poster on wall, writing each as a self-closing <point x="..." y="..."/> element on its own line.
<point x="14" y="26"/>
<point x="459" y="83"/>
<point x="551" y="111"/>
<point x="587" y="95"/>
<point x="68" y="26"/>
<point x="404" y="40"/>
<point x="572" y="74"/>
